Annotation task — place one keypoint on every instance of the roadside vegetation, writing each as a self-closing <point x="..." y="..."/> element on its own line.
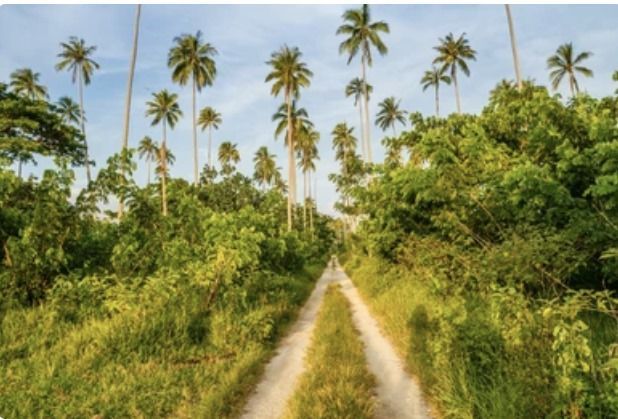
<point x="336" y="383"/>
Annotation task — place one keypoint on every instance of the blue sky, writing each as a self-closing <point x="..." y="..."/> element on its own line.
<point x="246" y="35"/>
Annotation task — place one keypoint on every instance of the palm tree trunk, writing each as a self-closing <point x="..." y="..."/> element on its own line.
<point x="366" y="101"/>
<point x="19" y="164"/>
<point x="362" y="130"/>
<point x="291" y="166"/>
<point x="195" y="169"/>
<point x="457" y="100"/>
<point x="148" y="171"/>
<point x="437" y="102"/>
<point x="514" y="47"/>
<point x="127" y="107"/>
<point x="311" y="206"/>
<point x="394" y="130"/>
<point x="305" y="201"/>
<point x="164" y="171"/>
<point x="210" y="147"/>
<point x="81" y="117"/>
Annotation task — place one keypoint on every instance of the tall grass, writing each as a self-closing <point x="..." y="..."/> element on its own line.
<point x="337" y="383"/>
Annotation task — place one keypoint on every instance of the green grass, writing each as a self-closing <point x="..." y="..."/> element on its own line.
<point x="157" y="358"/>
<point x="337" y="383"/>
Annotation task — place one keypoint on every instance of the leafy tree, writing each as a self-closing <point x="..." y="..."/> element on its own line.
<point x="209" y="119"/>
<point x="228" y="157"/>
<point x="565" y="63"/>
<point x="164" y="109"/>
<point x="452" y="55"/>
<point x="355" y="88"/>
<point x="362" y="34"/>
<point x="389" y="114"/>
<point x="288" y="76"/>
<point x="433" y="78"/>
<point x="149" y="151"/>
<point x="192" y="59"/>
<point x="75" y="58"/>
<point x="26" y="82"/>
<point x="265" y="167"/>
<point x="34" y="127"/>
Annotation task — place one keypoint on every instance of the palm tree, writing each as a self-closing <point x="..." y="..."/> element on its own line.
<point x="209" y="118"/>
<point x="355" y="88"/>
<point x="307" y="154"/>
<point x="265" y="167"/>
<point x="509" y="19"/>
<point x="75" y="57"/>
<point x="228" y="156"/>
<point x="148" y="150"/>
<point x="390" y="114"/>
<point x="362" y="35"/>
<point x="299" y="121"/>
<point x="289" y="75"/>
<point x="164" y="109"/>
<point x="344" y="142"/>
<point x="452" y="54"/>
<point x="127" y="107"/>
<point x="68" y="110"/>
<point x="393" y="151"/>
<point x="191" y="59"/>
<point x="25" y="82"/>
<point x="563" y="64"/>
<point x="433" y="78"/>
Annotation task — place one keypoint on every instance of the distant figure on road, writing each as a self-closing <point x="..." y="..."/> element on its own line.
<point x="333" y="262"/>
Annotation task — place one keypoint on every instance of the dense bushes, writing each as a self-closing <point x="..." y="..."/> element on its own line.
<point x="495" y="252"/>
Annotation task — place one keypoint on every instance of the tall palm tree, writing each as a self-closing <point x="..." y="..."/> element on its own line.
<point x="362" y="34"/>
<point x="127" y="106"/>
<point x="265" y="167"/>
<point x="148" y="150"/>
<point x="25" y="82"/>
<point x="164" y="109"/>
<point x="355" y="88"/>
<point x="68" y="110"/>
<point x="288" y="75"/>
<point x="228" y="156"/>
<point x="452" y="55"/>
<point x="389" y="114"/>
<point x="209" y="118"/>
<point x="344" y="142"/>
<point x="192" y="59"/>
<point x="433" y="78"/>
<point x="299" y="121"/>
<point x="509" y="19"/>
<point x="307" y="154"/>
<point x="75" y="58"/>
<point x="565" y="63"/>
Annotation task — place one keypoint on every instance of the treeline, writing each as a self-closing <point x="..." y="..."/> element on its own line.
<point x="490" y="253"/>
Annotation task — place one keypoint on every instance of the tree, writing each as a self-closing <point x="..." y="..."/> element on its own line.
<point x="209" y="118"/>
<point x="265" y="172"/>
<point x="288" y="75"/>
<point x="191" y="59"/>
<point x="148" y="150"/>
<point x="564" y="63"/>
<point x="452" y="55"/>
<point x="389" y="114"/>
<point x="68" y="110"/>
<point x="127" y="107"/>
<point x="307" y="154"/>
<point x="355" y="88"/>
<point x="164" y="109"/>
<point x="433" y="78"/>
<point x="35" y="127"/>
<point x="228" y="157"/>
<point x="26" y="82"/>
<point x="299" y="121"/>
<point x="75" y="57"/>
<point x="509" y="19"/>
<point x="615" y="78"/>
<point x="362" y="34"/>
<point x="344" y="142"/>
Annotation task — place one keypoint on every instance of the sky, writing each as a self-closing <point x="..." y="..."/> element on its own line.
<point x="245" y="36"/>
